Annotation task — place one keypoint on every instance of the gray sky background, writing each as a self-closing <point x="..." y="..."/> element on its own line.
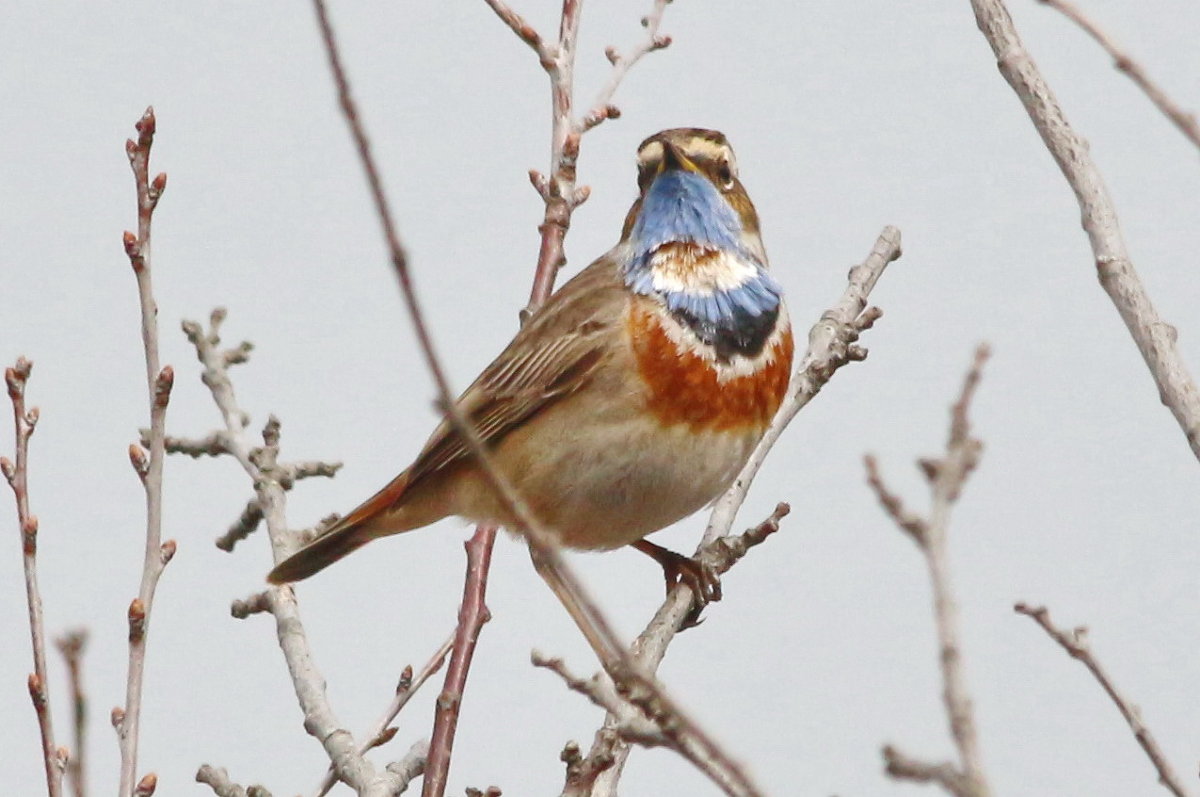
<point x="845" y="117"/>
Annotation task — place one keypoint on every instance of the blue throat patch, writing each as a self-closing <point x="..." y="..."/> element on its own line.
<point x="684" y="207"/>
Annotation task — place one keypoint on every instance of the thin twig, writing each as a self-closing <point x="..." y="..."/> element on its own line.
<point x="832" y="343"/>
<point x="17" y="474"/>
<point x="261" y="465"/>
<point x="1155" y="338"/>
<point x="1186" y="122"/>
<point x="472" y="615"/>
<point x="946" y="477"/>
<point x="159" y="381"/>
<point x="485" y="536"/>
<point x="1076" y="644"/>
<point x="72" y="645"/>
<point x="383" y="731"/>
<point x="558" y="190"/>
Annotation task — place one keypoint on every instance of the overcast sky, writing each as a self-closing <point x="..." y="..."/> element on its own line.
<point x="845" y="117"/>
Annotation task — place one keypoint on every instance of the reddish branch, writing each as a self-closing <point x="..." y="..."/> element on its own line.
<point x="148" y="465"/>
<point x="17" y="474"/>
<point x="1075" y="643"/>
<point x="558" y="190"/>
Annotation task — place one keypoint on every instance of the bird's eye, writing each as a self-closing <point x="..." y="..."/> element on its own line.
<point x="725" y="174"/>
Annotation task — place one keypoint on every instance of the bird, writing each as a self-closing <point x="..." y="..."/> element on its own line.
<point x="631" y="398"/>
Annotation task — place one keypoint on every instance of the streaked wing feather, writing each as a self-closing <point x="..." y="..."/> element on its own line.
<point x="554" y="355"/>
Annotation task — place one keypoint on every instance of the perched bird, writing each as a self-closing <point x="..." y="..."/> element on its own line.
<point x="632" y="397"/>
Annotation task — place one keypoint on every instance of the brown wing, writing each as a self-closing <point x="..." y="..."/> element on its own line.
<point x="553" y="355"/>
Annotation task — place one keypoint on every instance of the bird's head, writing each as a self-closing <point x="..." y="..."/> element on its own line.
<point x="691" y="241"/>
<point x="689" y="192"/>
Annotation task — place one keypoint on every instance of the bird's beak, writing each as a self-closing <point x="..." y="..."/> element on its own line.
<point x="674" y="159"/>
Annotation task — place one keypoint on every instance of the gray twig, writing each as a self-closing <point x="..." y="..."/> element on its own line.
<point x="1185" y="121"/>
<point x="1155" y="338"/>
<point x="1075" y="643"/>
<point x="946" y="477"/>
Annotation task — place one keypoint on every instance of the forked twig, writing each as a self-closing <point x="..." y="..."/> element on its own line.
<point x="946" y="477"/>
<point x="558" y="190"/>
<point x="383" y="731"/>
<point x="1075" y="643"/>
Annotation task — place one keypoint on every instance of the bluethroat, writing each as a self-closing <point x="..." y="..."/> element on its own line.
<point x="632" y="397"/>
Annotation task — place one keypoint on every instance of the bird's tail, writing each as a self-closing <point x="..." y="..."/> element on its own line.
<point x="376" y="517"/>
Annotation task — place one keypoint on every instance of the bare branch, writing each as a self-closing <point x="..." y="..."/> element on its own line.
<point x="471" y="617"/>
<point x="1075" y="643"/>
<point x="265" y="472"/>
<point x="401" y="773"/>
<point x="218" y="780"/>
<point x="159" y="381"/>
<point x="633" y="727"/>
<point x="946" y="477"/>
<point x="558" y="189"/>
<point x="72" y="645"/>
<point x="16" y="472"/>
<point x="903" y="767"/>
<point x="1186" y="122"/>
<point x="257" y="603"/>
<point x="382" y="732"/>
<point x="1155" y="338"/>
<point x="832" y="342"/>
<point x="243" y="527"/>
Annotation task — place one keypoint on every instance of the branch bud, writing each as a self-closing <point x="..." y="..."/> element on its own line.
<point x="163" y="385"/>
<point x="29" y="530"/>
<point x="146" y="127"/>
<point x="117" y="717"/>
<point x="660" y="42"/>
<point x="146" y="785"/>
<point x="139" y="459"/>
<point x="133" y="251"/>
<point x="168" y="551"/>
<point x="31" y="417"/>
<point x="37" y="692"/>
<point x="612" y="54"/>
<point x="158" y="185"/>
<point x="7" y="468"/>
<point x="137" y="620"/>
<point x="406" y="677"/>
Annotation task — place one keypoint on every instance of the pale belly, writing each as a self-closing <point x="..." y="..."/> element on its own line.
<point x="612" y="484"/>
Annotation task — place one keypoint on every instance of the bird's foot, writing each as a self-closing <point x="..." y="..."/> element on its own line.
<point x="703" y="581"/>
